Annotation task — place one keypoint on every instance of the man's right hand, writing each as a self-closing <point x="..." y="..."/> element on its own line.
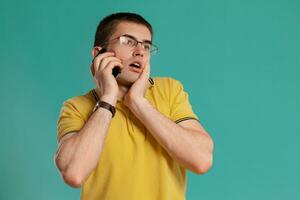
<point x="106" y="85"/>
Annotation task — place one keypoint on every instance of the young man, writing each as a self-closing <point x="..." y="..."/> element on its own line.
<point x="132" y="137"/>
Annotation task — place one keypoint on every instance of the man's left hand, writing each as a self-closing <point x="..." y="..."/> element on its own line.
<point x="138" y="89"/>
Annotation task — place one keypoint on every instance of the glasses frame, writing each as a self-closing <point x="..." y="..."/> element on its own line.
<point x="153" y="49"/>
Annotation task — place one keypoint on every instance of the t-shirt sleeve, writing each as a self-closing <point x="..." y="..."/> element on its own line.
<point x="69" y="119"/>
<point x="181" y="108"/>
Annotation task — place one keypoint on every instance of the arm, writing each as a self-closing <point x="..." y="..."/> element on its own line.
<point x="78" y="152"/>
<point x="186" y="142"/>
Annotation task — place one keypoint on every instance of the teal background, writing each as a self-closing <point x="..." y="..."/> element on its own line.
<point x="238" y="60"/>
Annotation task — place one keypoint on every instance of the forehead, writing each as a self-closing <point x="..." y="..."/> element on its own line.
<point x="139" y="31"/>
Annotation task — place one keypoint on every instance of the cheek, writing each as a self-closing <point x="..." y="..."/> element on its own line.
<point x="122" y="54"/>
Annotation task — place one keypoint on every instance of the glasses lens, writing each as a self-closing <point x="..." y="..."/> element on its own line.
<point x="127" y="41"/>
<point x="153" y="50"/>
<point x="147" y="47"/>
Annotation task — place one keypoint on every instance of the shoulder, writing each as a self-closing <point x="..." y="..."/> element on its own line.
<point x="81" y="103"/>
<point x="168" y="85"/>
<point x="166" y="82"/>
<point x="81" y="99"/>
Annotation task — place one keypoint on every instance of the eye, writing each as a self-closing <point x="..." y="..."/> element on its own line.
<point x="147" y="47"/>
<point x="126" y="41"/>
<point x="130" y="42"/>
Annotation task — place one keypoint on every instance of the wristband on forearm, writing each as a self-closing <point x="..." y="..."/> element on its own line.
<point x="105" y="105"/>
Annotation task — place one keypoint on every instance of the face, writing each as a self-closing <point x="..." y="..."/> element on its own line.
<point x="129" y="55"/>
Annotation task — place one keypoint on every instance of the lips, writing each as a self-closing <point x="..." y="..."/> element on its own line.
<point x="134" y="69"/>
<point x="136" y="66"/>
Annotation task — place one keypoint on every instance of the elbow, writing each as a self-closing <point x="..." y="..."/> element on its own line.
<point x="73" y="179"/>
<point x="204" y="164"/>
<point x="202" y="167"/>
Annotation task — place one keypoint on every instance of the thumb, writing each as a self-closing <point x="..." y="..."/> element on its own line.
<point x="146" y="72"/>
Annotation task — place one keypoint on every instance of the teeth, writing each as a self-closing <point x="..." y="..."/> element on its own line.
<point x="137" y="65"/>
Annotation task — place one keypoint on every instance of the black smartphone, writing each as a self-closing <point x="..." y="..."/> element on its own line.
<point x="116" y="70"/>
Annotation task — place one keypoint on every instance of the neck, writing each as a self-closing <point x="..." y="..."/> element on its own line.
<point x="123" y="89"/>
<point x="122" y="92"/>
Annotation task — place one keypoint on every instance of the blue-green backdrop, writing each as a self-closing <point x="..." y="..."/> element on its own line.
<point x="238" y="60"/>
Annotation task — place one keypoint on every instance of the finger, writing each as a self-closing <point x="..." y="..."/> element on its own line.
<point x="92" y="69"/>
<point x="146" y="72"/>
<point x="108" y="68"/>
<point x="99" y="56"/>
<point x="107" y="60"/>
<point x="97" y="60"/>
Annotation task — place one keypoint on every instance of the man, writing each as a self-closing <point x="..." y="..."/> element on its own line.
<point x="132" y="137"/>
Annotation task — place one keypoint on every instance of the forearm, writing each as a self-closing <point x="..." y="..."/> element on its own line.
<point x="79" y="155"/>
<point x="192" y="149"/>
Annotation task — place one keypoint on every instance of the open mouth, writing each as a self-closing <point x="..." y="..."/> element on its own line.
<point x="136" y="67"/>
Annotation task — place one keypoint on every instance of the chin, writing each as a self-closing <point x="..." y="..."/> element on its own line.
<point x="127" y="81"/>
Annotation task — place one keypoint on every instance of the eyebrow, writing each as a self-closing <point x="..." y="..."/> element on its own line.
<point x="147" y="41"/>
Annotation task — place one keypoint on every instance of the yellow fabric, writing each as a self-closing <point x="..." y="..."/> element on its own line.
<point x="132" y="165"/>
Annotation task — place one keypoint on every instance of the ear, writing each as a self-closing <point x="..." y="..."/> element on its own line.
<point x="95" y="50"/>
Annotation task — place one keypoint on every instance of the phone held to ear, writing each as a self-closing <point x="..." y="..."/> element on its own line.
<point x="116" y="70"/>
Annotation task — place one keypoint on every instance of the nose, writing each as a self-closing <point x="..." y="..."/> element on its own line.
<point x="138" y="50"/>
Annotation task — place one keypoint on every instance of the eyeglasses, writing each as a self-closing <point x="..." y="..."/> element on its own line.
<point x="130" y="41"/>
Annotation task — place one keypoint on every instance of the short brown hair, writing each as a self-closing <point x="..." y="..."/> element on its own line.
<point x="107" y="25"/>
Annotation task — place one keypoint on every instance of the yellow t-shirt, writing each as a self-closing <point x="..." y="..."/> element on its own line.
<point x="132" y="164"/>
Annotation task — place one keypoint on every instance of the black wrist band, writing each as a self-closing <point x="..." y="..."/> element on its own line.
<point x="105" y="105"/>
